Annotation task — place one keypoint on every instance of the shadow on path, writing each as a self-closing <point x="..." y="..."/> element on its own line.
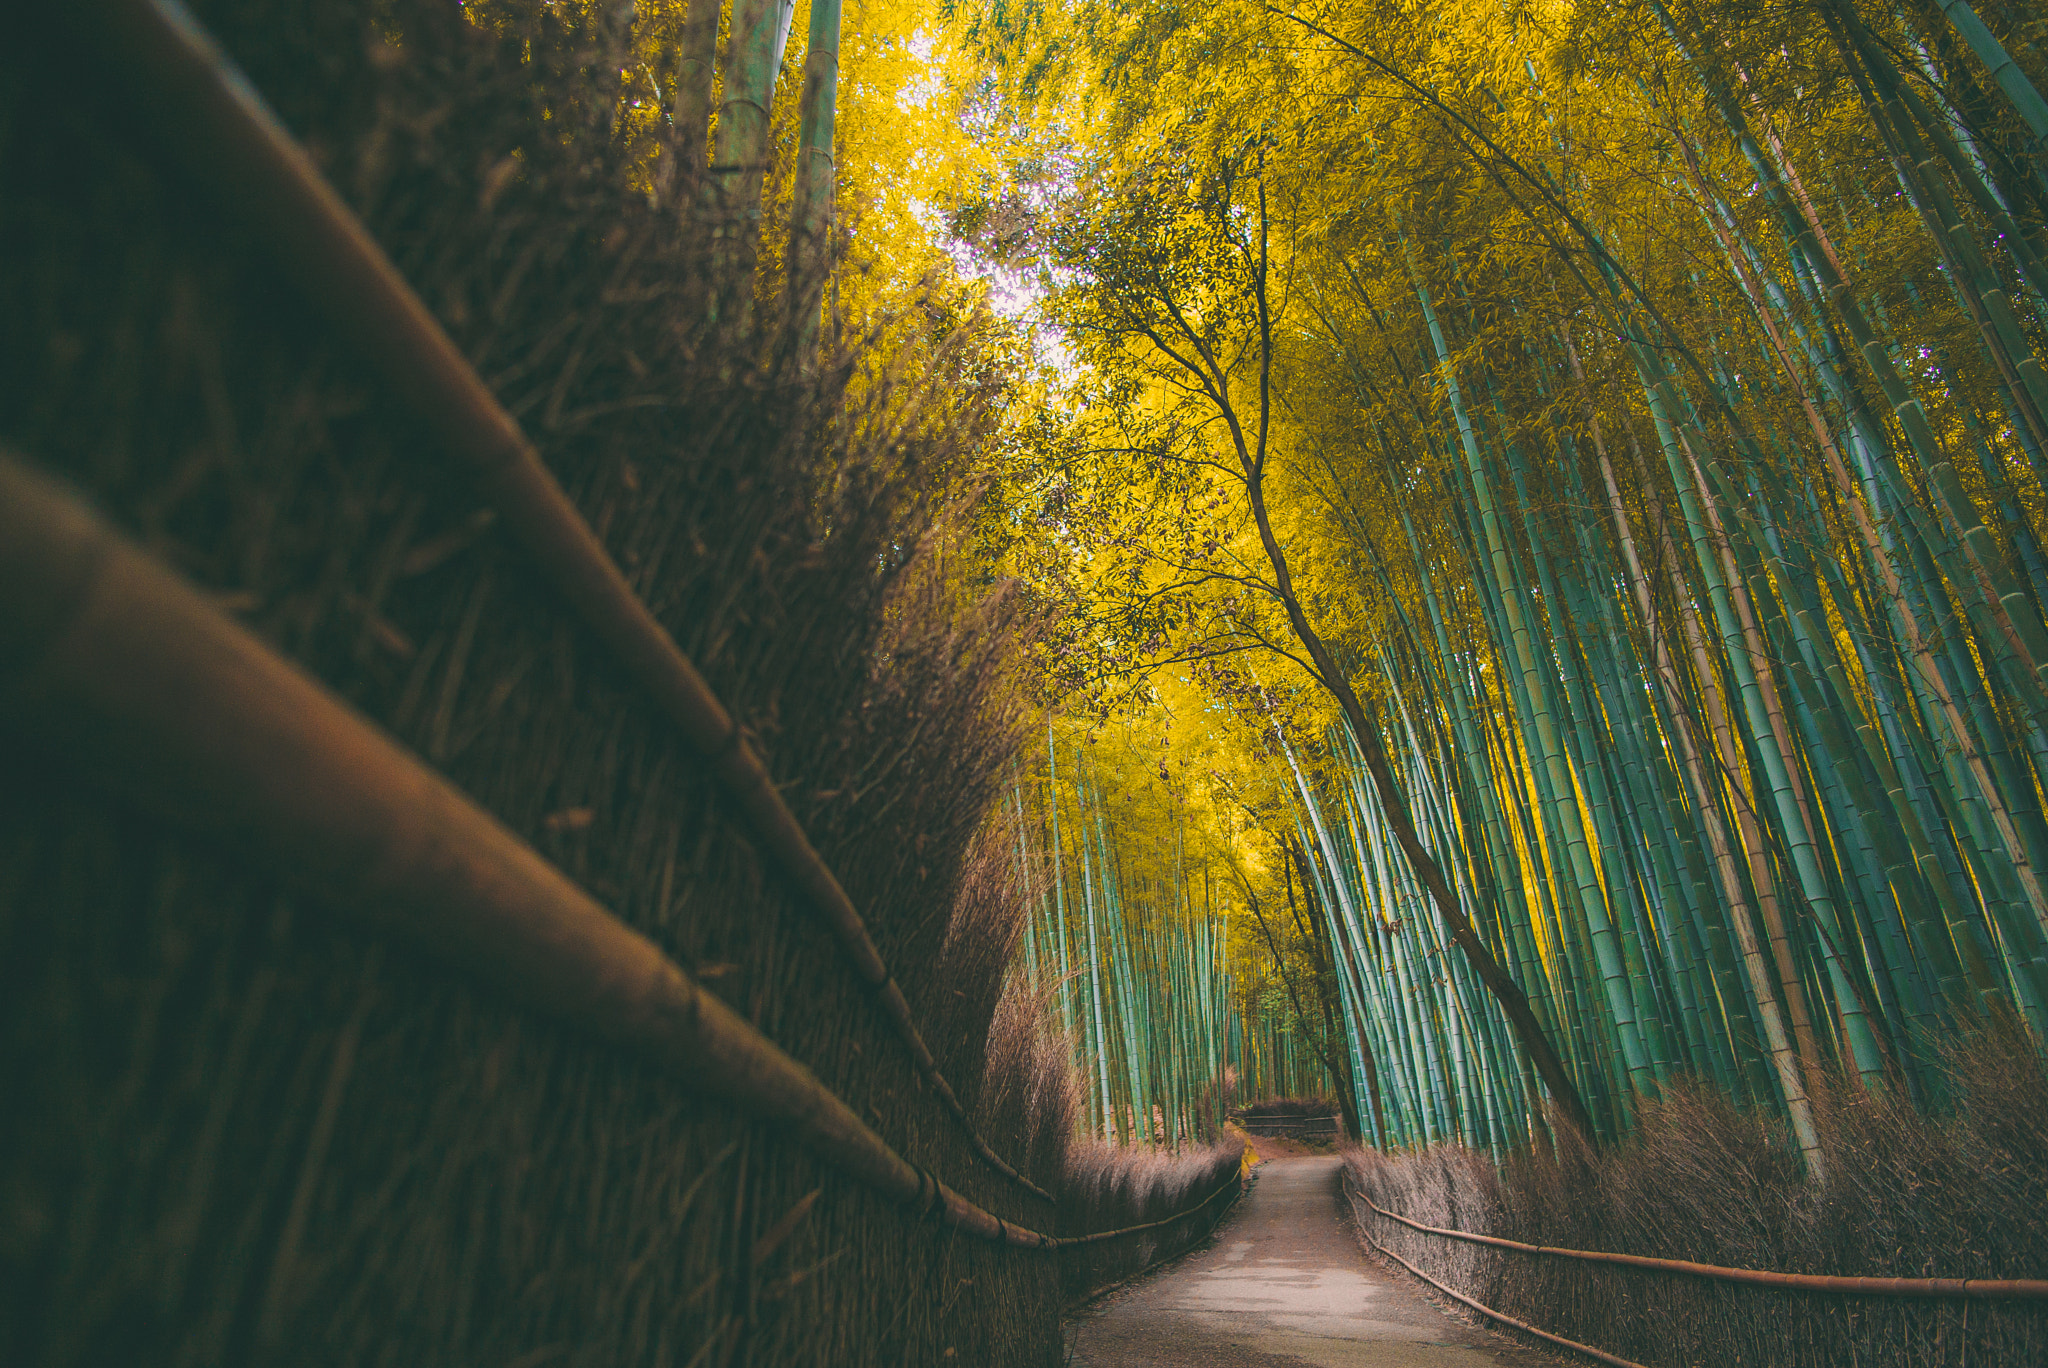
<point x="1283" y="1285"/>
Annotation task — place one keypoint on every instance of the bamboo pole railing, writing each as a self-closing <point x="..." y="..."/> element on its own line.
<point x="1600" y="1355"/>
<point x="1953" y="1289"/>
<point x="110" y="659"/>
<point x="209" y="117"/>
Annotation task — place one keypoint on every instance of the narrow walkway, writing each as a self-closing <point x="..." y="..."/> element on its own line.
<point x="1284" y="1285"/>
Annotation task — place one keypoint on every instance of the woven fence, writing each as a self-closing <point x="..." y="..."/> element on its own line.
<point x="243" y="1131"/>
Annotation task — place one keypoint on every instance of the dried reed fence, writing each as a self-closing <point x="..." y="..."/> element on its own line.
<point x="1907" y="1197"/>
<point x="225" y="139"/>
<point x="1116" y="1178"/>
<point x="242" y="1133"/>
<point x="138" y="681"/>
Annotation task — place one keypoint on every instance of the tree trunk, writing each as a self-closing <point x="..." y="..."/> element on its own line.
<point x="1513" y="1001"/>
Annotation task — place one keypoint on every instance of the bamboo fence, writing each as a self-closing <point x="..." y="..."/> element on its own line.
<point x="167" y="699"/>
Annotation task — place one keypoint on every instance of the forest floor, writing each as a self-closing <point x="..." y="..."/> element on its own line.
<point x="1283" y="1284"/>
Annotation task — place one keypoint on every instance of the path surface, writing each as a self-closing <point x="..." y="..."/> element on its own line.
<point x="1284" y="1285"/>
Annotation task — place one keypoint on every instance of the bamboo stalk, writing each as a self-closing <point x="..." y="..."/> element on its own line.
<point x="1780" y="1045"/>
<point x="811" y="201"/>
<point x="695" y="75"/>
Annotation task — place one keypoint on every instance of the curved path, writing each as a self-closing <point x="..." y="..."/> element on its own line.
<point x="1283" y="1284"/>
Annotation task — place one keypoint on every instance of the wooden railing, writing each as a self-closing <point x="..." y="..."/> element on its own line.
<point x="1968" y="1289"/>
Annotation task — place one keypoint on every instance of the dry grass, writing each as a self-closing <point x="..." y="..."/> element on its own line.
<point x="1109" y="1186"/>
<point x="1034" y="1092"/>
<point x="1905" y="1196"/>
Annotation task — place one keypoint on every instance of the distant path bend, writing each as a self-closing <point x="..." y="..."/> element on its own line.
<point x="1285" y="1285"/>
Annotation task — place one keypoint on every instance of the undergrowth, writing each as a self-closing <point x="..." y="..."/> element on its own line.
<point x="1108" y="1186"/>
<point x="1900" y="1194"/>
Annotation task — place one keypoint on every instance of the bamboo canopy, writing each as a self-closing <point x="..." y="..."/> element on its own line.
<point x="1628" y="440"/>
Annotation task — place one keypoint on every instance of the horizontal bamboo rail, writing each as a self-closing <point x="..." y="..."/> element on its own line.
<point x="206" y="113"/>
<point x="1097" y="1294"/>
<point x="1588" y="1350"/>
<point x="112" y="662"/>
<point x="1234" y="1183"/>
<point x="1971" y="1289"/>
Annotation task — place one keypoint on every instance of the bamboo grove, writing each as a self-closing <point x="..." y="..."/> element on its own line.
<point x="1128" y="941"/>
<point x="1593" y="460"/>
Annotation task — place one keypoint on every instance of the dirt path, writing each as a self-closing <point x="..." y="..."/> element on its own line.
<point x="1283" y="1285"/>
